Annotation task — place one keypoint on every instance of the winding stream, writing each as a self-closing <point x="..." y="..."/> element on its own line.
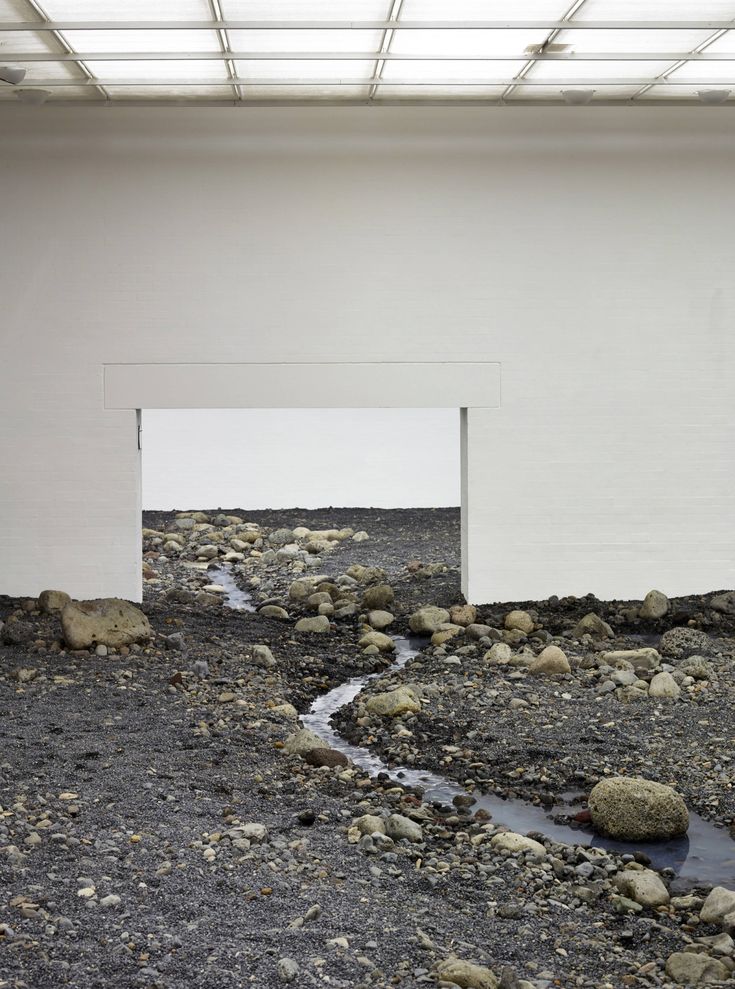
<point x="706" y="855"/>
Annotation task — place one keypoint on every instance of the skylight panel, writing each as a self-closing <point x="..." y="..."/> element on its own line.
<point x="632" y="41"/>
<point x="589" y="71"/>
<point x="143" y="41"/>
<point x="305" y="41"/>
<point x="655" y="10"/>
<point x="297" y="93"/>
<point x="439" y="92"/>
<point x="482" y="10"/>
<point x="438" y="71"/>
<point x="457" y="42"/>
<point x="173" y="93"/>
<point x="170" y="69"/>
<point x="128" y="10"/>
<point x="306" y="10"/>
<point x="297" y="69"/>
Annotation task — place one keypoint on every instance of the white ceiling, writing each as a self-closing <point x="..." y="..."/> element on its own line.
<point x="379" y="51"/>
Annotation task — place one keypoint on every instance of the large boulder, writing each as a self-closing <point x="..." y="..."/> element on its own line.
<point x="427" y="620"/>
<point x="724" y="603"/>
<point x="393" y="703"/>
<point x="463" y="614"/>
<point x="655" y="605"/>
<point x="52" y="601"/>
<point x="107" y="621"/>
<point x="681" y="642"/>
<point x="633" y="809"/>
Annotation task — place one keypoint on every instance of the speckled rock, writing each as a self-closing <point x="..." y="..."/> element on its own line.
<point x="634" y="809"/>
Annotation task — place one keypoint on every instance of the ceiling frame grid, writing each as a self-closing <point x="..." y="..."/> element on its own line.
<point x="439" y="60"/>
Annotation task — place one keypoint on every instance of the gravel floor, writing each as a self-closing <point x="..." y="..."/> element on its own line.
<point x="154" y="831"/>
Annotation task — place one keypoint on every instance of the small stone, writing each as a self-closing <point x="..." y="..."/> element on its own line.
<point x="719" y="903"/>
<point x="326" y="757"/>
<point x="397" y="827"/>
<point x="393" y="703"/>
<point x="463" y="614"/>
<point x="427" y="620"/>
<point x="511" y="842"/>
<point x="370" y="824"/>
<point x="301" y="742"/>
<point x="380" y="640"/>
<point x="592" y="625"/>
<point x="378" y="596"/>
<point x="498" y="653"/>
<point x="551" y="661"/>
<point x="466" y="975"/>
<point x="691" y="969"/>
<point x="644" y="886"/>
<point x="380" y="619"/>
<point x="318" y="624"/>
<point x="665" y="686"/>
<point x="50" y="602"/>
<point x="287" y="969"/>
<point x="520" y="620"/>
<point x="110" y="902"/>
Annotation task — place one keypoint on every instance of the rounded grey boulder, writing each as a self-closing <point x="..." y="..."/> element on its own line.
<point x="107" y="621"/>
<point x="634" y="809"/>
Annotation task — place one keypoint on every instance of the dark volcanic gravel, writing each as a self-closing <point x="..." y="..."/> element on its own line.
<point x="155" y="833"/>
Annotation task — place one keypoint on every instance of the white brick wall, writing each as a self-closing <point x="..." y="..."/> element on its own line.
<point x="587" y="250"/>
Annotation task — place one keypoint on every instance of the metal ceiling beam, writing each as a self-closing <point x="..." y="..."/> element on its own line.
<point x="224" y="43"/>
<point x="385" y="43"/>
<point x="374" y="81"/>
<point x="544" y="48"/>
<point x="215" y="56"/>
<point x="455" y="25"/>
<point x="698" y="50"/>
<point x="61" y="40"/>
<point x="485" y="103"/>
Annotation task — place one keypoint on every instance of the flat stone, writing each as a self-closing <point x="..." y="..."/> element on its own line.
<point x="644" y="886"/>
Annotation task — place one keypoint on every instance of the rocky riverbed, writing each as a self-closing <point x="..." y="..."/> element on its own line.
<point x="166" y="820"/>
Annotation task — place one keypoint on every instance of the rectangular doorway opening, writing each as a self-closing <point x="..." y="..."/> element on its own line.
<point x="391" y="477"/>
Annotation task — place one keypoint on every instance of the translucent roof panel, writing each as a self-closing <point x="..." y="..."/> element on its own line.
<point x="128" y="10"/>
<point x="306" y="10"/>
<point x="458" y="42"/>
<point x="174" y="93"/>
<point x="589" y="71"/>
<point x="143" y="41"/>
<point x="304" y="93"/>
<point x="482" y="10"/>
<point x="439" y="93"/>
<point x="451" y="70"/>
<point x="305" y="41"/>
<point x="654" y="10"/>
<point x="145" y="70"/>
<point x="285" y="50"/>
<point x="332" y="70"/>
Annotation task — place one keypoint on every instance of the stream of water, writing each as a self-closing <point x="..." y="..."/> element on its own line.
<point x="705" y="855"/>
